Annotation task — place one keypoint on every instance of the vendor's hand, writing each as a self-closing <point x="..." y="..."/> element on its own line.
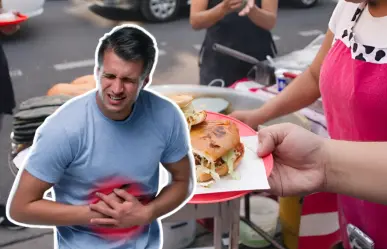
<point x="299" y="166"/>
<point x="250" y="117"/>
<point x="249" y="6"/>
<point x="232" y="5"/>
<point x="122" y="214"/>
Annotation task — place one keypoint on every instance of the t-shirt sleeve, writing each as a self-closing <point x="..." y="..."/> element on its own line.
<point x="50" y="153"/>
<point x="336" y="15"/>
<point x="178" y="139"/>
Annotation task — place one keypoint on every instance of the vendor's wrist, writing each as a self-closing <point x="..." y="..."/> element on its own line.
<point x="253" y="11"/>
<point x="259" y="117"/>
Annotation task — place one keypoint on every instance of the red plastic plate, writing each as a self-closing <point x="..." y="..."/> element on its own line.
<point x="244" y="131"/>
<point x="20" y="18"/>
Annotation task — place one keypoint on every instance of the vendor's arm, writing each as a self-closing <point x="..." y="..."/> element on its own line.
<point x="302" y="92"/>
<point x="357" y="169"/>
<point x="266" y="16"/>
<point x="201" y="18"/>
<point x="176" y="160"/>
<point x="52" y="152"/>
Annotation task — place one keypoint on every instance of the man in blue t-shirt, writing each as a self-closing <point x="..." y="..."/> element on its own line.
<point x="101" y="153"/>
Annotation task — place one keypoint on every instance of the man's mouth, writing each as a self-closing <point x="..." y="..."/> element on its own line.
<point x="116" y="98"/>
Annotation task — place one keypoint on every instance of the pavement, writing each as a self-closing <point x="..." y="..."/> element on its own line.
<point x="58" y="47"/>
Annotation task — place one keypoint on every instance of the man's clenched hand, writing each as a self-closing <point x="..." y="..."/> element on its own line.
<point x="124" y="213"/>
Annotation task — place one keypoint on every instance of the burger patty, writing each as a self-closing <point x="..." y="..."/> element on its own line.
<point x="238" y="151"/>
<point x="198" y="160"/>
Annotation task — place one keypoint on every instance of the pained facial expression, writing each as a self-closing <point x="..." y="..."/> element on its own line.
<point x="120" y="83"/>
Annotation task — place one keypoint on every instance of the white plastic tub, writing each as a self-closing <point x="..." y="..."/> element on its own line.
<point x="178" y="235"/>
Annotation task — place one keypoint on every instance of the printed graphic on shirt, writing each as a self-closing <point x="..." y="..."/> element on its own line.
<point x="349" y="35"/>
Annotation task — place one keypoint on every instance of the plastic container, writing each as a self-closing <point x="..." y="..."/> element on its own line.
<point x="178" y="235"/>
<point x="282" y="81"/>
<point x="264" y="213"/>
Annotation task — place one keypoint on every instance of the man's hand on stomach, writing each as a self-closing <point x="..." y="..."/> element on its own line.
<point x="120" y="210"/>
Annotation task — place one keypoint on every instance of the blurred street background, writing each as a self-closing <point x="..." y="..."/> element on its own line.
<point x="57" y="47"/>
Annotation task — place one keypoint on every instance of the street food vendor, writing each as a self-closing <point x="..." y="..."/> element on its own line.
<point x="101" y="153"/>
<point x="350" y="74"/>
<point x="242" y="25"/>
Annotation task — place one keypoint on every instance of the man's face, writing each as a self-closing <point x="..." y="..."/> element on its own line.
<point x="120" y="83"/>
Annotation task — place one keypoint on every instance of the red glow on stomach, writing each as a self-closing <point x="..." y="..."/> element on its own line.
<point x="119" y="233"/>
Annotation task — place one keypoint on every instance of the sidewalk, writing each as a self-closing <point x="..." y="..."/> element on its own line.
<point x="26" y="238"/>
<point x="43" y="239"/>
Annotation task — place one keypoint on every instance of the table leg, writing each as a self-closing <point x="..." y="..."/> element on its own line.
<point x="234" y="223"/>
<point x="218" y="228"/>
<point x="247" y="206"/>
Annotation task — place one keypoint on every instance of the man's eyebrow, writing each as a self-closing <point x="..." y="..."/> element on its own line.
<point x="123" y="78"/>
<point x="106" y="73"/>
<point x="129" y="78"/>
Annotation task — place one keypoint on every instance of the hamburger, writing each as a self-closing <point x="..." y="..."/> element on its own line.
<point x="217" y="150"/>
<point x="185" y="103"/>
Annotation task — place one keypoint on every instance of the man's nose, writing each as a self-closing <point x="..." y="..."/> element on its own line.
<point x="117" y="86"/>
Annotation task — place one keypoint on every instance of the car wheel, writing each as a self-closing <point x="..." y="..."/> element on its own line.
<point x="160" y="10"/>
<point x="305" y="3"/>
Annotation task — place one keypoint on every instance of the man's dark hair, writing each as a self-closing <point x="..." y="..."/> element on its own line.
<point x="130" y="44"/>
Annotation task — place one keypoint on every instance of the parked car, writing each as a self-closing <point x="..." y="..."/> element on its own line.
<point x="305" y="3"/>
<point x="165" y="10"/>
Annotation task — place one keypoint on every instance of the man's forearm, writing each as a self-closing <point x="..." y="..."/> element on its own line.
<point x="49" y="213"/>
<point x="357" y="169"/>
<point x="262" y="18"/>
<point x="169" y="198"/>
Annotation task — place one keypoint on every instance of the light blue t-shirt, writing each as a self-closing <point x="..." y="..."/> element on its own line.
<point x="80" y="150"/>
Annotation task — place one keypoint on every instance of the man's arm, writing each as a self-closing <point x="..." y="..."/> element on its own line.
<point x="27" y="206"/>
<point x="176" y="160"/>
<point x="357" y="169"/>
<point x="50" y="155"/>
<point x="174" y="194"/>
<point x="265" y="17"/>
